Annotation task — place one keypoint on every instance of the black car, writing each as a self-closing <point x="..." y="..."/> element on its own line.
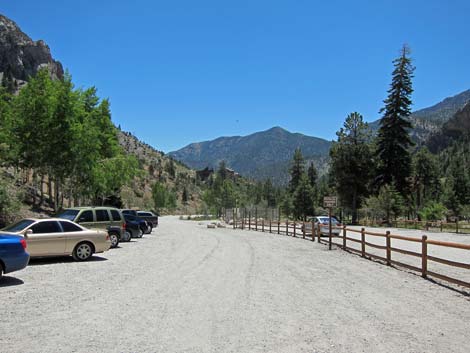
<point x="137" y="226"/>
<point x="149" y="217"/>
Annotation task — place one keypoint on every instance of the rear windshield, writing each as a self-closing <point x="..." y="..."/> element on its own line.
<point x="326" y="220"/>
<point x="19" y="226"/>
<point x="68" y="214"/>
<point x="144" y="214"/>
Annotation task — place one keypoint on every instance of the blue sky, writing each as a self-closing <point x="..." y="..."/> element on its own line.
<point x="183" y="71"/>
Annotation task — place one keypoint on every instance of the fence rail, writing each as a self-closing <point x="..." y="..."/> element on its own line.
<point x="441" y="226"/>
<point x="323" y="235"/>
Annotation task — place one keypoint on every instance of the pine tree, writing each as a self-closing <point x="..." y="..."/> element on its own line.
<point x="297" y="170"/>
<point x="393" y="140"/>
<point x="303" y="199"/>
<point x="351" y="163"/>
<point x="312" y="175"/>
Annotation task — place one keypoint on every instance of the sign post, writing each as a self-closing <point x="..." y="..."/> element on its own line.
<point x="330" y="202"/>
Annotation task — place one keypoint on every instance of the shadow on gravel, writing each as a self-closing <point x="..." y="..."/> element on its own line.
<point x="7" y="281"/>
<point x="62" y="260"/>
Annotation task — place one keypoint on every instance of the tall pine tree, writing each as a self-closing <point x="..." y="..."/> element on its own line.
<point x="393" y="140"/>
<point x="297" y="170"/>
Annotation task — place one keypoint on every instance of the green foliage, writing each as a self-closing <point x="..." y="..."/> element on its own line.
<point x="9" y="204"/>
<point x="393" y="140"/>
<point x="297" y="170"/>
<point x="387" y="204"/>
<point x="425" y="178"/>
<point x="434" y="211"/>
<point x="159" y="194"/>
<point x="352" y="165"/>
<point x="303" y="199"/>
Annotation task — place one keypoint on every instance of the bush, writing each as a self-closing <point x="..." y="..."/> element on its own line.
<point x="9" y="204"/>
<point x="434" y="211"/>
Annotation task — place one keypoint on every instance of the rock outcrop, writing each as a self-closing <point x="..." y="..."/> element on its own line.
<point x="20" y="56"/>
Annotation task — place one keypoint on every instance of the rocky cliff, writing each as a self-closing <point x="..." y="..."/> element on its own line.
<point x="20" y="56"/>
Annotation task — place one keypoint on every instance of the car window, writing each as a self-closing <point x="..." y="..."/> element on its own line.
<point x="46" y="227"/>
<point x="70" y="227"/>
<point x="129" y="217"/>
<point x="19" y="226"/>
<point x="115" y="215"/>
<point x="68" y="214"/>
<point x="102" y="215"/>
<point x="145" y="214"/>
<point x="86" y="216"/>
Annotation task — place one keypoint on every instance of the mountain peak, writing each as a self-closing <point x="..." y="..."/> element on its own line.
<point x="22" y="57"/>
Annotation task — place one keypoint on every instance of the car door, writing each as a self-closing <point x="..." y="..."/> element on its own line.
<point x="73" y="235"/>
<point x="103" y="221"/>
<point x="46" y="239"/>
<point x="86" y="219"/>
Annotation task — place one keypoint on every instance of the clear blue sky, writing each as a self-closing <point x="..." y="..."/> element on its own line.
<point x="183" y="71"/>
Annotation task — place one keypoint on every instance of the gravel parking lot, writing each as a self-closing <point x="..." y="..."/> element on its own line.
<point x="186" y="288"/>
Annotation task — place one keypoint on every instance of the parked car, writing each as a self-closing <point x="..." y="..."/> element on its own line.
<point x="59" y="237"/>
<point x="129" y="212"/>
<point x="105" y="218"/>
<point x="324" y="223"/>
<point x="142" y="226"/>
<point x="13" y="255"/>
<point x="149" y="217"/>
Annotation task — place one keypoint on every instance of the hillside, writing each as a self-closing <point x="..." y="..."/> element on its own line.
<point x="428" y="121"/>
<point x="452" y="130"/>
<point x="259" y="155"/>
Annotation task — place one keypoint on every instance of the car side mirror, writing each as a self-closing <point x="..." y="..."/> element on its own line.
<point x="28" y="232"/>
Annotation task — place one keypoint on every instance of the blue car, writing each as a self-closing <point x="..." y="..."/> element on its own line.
<point x="13" y="255"/>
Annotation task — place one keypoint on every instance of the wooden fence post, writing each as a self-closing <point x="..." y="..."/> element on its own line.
<point x="424" y="257"/>
<point x="295" y="226"/>
<point x="441" y="226"/>
<point x="303" y="230"/>
<point x="256" y="221"/>
<point x="389" y="251"/>
<point x="270" y="223"/>
<point x="344" y="237"/>
<point x="278" y="226"/>
<point x="363" y="242"/>
<point x="262" y="226"/>
<point x="313" y="231"/>
<point x="319" y="233"/>
<point x="287" y="227"/>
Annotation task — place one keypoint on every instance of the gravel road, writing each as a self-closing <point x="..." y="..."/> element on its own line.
<point x="186" y="288"/>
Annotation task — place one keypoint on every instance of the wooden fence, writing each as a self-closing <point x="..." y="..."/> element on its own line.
<point x="441" y="226"/>
<point x="323" y="235"/>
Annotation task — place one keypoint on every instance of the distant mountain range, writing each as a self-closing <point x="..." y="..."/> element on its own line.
<point x="267" y="154"/>
<point x="259" y="156"/>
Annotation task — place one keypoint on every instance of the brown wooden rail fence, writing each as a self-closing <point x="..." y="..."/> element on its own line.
<point x="453" y="227"/>
<point x="309" y="231"/>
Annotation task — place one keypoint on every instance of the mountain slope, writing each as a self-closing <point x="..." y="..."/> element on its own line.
<point x="452" y="130"/>
<point x="429" y="121"/>
<point x="21" y="57"/>
<point x="254" y="154"/>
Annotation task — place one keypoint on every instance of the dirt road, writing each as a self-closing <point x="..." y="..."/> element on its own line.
<point x="186" y="288"/>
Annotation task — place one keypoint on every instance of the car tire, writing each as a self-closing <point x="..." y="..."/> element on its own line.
<point x="1" y="271"/>
<point x="141" y="233"/>
<point x="114" y="240"/>
<point x="127" y="236"/>
<point x="82" y="252"/>
<point x="148" y="230"/>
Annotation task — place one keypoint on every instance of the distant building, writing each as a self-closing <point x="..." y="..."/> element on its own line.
<point x="204" y="174"/>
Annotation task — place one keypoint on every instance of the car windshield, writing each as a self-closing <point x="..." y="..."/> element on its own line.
<point x="68" y="214"/>
<point x="19" y="226"/>
<point x="129" y="217"/>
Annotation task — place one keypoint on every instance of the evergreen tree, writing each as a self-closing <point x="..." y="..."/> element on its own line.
<point x="303" y="199"/>
<point x="297" y="170"/>
<point x="185" y="196"/>
<point x="312" y="175"/>
<point x="351" y="163"/>
<point x="393" y="140"/>
<point x="425" y="175"/>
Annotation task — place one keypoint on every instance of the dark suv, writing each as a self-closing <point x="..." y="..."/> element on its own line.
<point x="107" y="218"/>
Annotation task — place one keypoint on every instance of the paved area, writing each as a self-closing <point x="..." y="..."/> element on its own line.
<point x="186" y="288"/>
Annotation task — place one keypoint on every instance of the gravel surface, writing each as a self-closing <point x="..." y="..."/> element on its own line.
<point x="186" y="288"/>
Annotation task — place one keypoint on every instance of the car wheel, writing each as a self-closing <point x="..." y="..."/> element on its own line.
<point x="82" y="252"/>
<point x="114" y="240"/>
<point x="1" y="271"/>
<point x="148" y="230"/>
<point x="127" y="236"/>
<point x="141" y="233"/>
